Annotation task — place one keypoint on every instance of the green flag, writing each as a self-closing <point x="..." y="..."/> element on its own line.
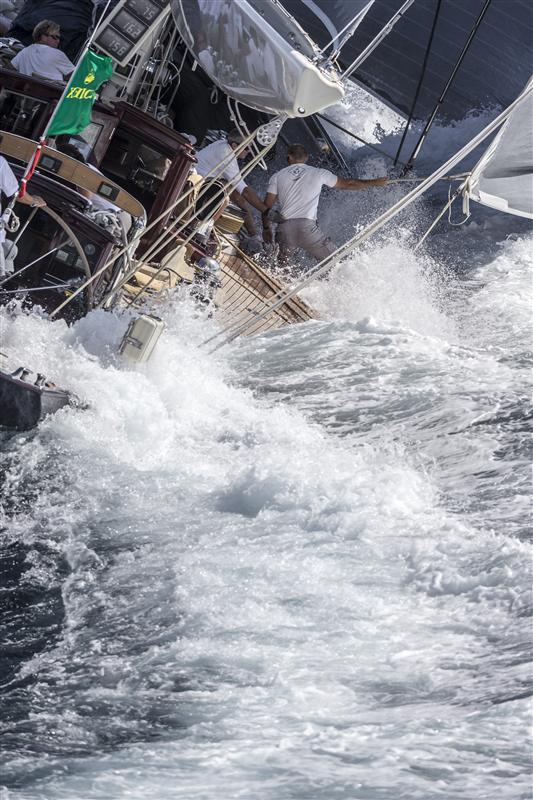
<point x="74" y="111"/>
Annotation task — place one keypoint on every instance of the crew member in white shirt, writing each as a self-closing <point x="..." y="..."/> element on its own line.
<point x="43" y="57"/>
<point x="297" y="190"/>
<point x="9" y="186"/>
<point x="209" y="163"/>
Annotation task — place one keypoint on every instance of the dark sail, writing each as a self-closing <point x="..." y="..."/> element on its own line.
<point x="330" y="17"/>
<point x="496" y="67"/>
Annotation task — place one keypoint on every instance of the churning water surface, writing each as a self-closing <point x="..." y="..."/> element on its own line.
<point x="297" y="568"/>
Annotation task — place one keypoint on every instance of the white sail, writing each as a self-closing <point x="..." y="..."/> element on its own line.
<point x="257" y="54"/>
<point x="503" y="177"/>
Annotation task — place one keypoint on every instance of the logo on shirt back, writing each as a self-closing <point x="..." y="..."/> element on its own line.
<point x="296" y="173"/>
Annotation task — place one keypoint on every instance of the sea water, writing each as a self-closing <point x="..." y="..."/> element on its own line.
<point x="296" y="568"/>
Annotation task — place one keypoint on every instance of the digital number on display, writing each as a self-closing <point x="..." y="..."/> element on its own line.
<point x="145" y="9"/>
<point x="122" y="32"/>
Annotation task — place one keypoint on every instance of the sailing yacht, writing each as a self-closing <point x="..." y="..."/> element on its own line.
<point x="257" y="65"/>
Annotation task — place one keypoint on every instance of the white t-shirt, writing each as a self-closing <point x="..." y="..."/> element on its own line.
<point x="298" y="188"/>
<point x="210" y="158"/>
<point x="48" y="62"/>
<point x="8" y="185"/>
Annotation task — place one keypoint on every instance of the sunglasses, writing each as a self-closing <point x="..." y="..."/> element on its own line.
<point x="54" y="36"/>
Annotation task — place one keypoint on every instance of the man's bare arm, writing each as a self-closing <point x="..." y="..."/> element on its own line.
<point x="249" y="222"/>
<point x="354" y="183"/>
<point x="270" y="199"/>
<point x="32" y="200"/>
<point x="254" y="199"/>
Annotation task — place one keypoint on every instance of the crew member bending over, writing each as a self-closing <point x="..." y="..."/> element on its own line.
<point x="297" y="189"/>
<point x="208" y="166"/>
<point x="43" y="57"/>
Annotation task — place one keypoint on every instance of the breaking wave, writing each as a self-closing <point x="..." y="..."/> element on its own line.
<point x="296" y="568"/>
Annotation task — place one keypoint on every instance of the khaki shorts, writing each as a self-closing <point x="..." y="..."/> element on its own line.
<point x="304" y="234"/>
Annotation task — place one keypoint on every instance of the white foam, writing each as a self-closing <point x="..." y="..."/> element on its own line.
<point x="291" y="568"/>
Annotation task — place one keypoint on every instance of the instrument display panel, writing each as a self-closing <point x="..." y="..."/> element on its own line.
<point x="123" y="31"/>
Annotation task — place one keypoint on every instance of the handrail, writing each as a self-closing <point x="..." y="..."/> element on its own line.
<point x="71" y="170"/>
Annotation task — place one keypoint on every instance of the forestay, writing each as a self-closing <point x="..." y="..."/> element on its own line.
<point x="503" y="177"/>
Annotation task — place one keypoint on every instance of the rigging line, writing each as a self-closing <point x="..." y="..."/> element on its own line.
<point x="161" y="243"/>
<point x="466" y="207"/>
<point x="338" y="35"/>
<point x="449" y="82"/>
<point x="119" y="267"/>
<point x="447" y="205"/>
<point x="158" y="38"/>
<point x="215" y="174"/>
<point x="124" y="89"/>
<point x="177" y="82"/>
<point x="333" y="149"/>
<point x="377" y="39"/>
<point x="420" y="80"/>
<point x="457" y="177"/>
<point x="28" y="289"/>
<point x="31" y="216"/>
<point x="27" y="266"/>
<point x="335" y="53"/>
<point x="170" y="235"/>
<point x="354" y="136"/>
<point x="240" y="124"/>
<point x="223" y="164"/>
<point x="166" y="238"/>
<point x="325" y="265"/>
<point x="272" y="282"/>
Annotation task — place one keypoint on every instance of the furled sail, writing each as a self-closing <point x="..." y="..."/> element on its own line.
<point x="257" y="54"/>
<point x="503" y="177"/>
<point x="498" y="63"/>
